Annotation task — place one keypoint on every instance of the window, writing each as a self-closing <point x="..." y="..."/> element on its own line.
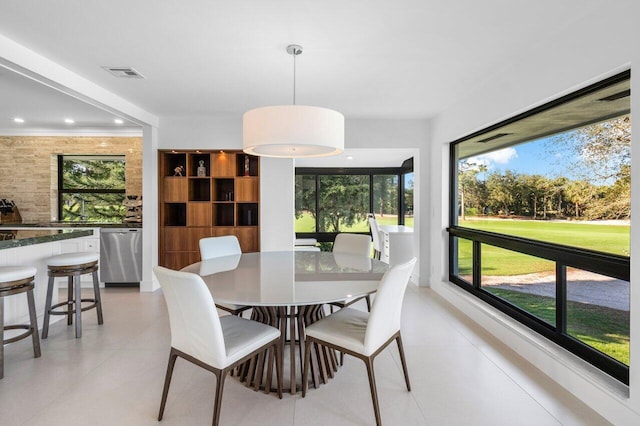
<point x="539" y="220"/>
<point x="329" y="201"/>
<point x="91" y="188"/>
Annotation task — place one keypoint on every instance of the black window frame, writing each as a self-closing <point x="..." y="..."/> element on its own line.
<point x="611" y="265"/>
<point x="406" y="167"/>
<point x="62" y="191"/>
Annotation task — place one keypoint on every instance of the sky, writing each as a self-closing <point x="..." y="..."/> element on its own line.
<point x="527" y="158"/>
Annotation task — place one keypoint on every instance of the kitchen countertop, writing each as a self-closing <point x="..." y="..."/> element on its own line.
<point x="70" y="225"/>
<point x="11" y="238"/>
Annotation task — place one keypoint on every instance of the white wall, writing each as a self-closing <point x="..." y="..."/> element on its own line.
<point x="277" y="175"/>
<point x="414" y="135"/>
<point x="592" y="47"/>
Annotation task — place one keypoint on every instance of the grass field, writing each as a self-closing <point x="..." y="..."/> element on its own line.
<point x="306" y="223"/>
<point x="495" y="261"/>
<point x="602" y="328"/>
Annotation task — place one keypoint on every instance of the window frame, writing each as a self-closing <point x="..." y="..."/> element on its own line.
<point x="406" y="167"/>
<point x="62" y="191"/>
<point x="607" y="264"/>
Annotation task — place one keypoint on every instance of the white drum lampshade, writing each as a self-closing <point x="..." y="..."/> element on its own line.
<point x="292" y="131"/>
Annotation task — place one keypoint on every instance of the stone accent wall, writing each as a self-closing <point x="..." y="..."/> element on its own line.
<point x="29" y="168"/>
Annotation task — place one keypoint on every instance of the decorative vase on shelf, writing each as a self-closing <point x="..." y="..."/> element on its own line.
<point x="202" y="171"/>
<point x="246" y="166"/>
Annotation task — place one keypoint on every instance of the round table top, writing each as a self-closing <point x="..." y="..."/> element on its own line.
<point x="290" y="278"/>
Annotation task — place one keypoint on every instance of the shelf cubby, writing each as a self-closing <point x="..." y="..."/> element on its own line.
<point x="172" y="161"/>
<point x="247" y="214"/>
<point x="175" y="214"/>
<point x="223" y="214"/>
<point x="194" y="164"/>
<point x="199" y="189"/>
<point x="223" y="189"/>
<point x="246" y="165"/>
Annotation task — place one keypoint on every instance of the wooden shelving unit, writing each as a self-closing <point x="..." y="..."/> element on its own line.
<point x="223" y="199"/>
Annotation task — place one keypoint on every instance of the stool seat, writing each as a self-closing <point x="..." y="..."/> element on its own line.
<point x="72" y="266"/>
<point x="68" y="259"/>
<point x="16" y="273"/>
<point x="15" y="280"/>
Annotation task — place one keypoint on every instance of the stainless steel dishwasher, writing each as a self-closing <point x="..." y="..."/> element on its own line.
<point x="120" y="256"/>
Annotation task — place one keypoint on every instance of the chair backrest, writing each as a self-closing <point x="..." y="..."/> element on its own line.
<point x="219" y="246"/>
<point x="375" y="232"/>
<point x="386" y="312"/>
<point x="352" y="243"/>
<point x="194" y="321"/>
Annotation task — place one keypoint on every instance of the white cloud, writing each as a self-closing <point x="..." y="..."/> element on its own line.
<point x="502" y="156"/>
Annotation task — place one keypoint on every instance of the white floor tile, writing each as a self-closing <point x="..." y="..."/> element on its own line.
<point x="460" y="375"/>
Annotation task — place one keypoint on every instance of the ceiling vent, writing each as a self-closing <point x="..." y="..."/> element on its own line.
<point x="490" y="138"/>
<point x="616" y="96"/>
<point x="123" y="72"/>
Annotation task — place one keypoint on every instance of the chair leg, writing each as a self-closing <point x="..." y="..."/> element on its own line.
<point x="221" y="376"/>
<point x="279" y="376"/>
<point x="33" y="320"/>
<point x="403" y="361"/>
<point x="70" y="300"/>
<point x="47" y="308"/>
<point x="96" y="296"/>
<point x="372" y="385"/>
<point x="368" y="300"/>
<point x="78" y="305"/>
<point x="307" y="361"/>
<point x="341" y="358"/>
<point x="167" y="381"/>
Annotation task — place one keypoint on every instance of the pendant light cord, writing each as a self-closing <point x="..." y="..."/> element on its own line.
<point x="294" y="78"/>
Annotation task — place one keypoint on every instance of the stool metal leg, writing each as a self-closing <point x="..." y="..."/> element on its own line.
<point x="1" y="337"/>
<point x="34" y="324"/>
<point x="47" y="308"/>
<point x="96" y="296"/>
<point x="70" y="300"/>
<point x="78" y="305"/>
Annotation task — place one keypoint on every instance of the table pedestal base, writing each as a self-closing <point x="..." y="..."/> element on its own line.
<point x="291" y="321"/>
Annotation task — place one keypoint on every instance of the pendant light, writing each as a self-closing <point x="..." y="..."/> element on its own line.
<point x="293" y="131"/>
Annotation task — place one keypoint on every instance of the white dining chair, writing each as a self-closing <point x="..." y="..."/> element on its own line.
<point x="200" y="336"/>
<point x="365" y="334"/>
<point x="214" y="247"/>
<point x="356" y="244"/>
<point x="375" y="236"/>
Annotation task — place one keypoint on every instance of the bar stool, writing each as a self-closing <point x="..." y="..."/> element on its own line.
<point x="16" y="280"/>
<point x="72" y="266"/>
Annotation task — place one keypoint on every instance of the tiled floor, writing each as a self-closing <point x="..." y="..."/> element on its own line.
<point x="113" y="376"/>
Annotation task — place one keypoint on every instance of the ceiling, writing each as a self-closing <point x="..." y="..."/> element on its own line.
<point x="204" y="58"/>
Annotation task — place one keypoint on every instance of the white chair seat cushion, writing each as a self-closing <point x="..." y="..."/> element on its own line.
<point x="345" y="328"/>
<point x="306" y="248"/>
<point x="243" y="336"/>
<point x="305" y="242"/>
<point x="78" y="258"/>
<point x="15" y="273"/>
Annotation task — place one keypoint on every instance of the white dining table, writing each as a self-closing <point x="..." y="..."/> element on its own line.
<point x="288" y="290"/>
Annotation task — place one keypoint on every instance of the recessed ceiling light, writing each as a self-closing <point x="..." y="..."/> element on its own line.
<point x="69" y="121"/>
<point x="349" y="157"/>
<point x="18" y="120"/>
<point x="118" y="120"/>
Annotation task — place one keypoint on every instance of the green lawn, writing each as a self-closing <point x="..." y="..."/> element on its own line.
<point x="495" y="261"/>
<point x="602" y="328"/>
<point x="306" y="223"/>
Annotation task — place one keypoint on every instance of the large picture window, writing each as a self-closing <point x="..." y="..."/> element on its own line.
<point x="333" y="200"/>
<point x="91" y="188"/>
<point x="539" y="224"/>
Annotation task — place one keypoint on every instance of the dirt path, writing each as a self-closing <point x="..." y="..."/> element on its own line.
<point x="582" y="286"/>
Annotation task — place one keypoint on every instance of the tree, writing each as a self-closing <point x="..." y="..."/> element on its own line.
<point x="343" y="201"/>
